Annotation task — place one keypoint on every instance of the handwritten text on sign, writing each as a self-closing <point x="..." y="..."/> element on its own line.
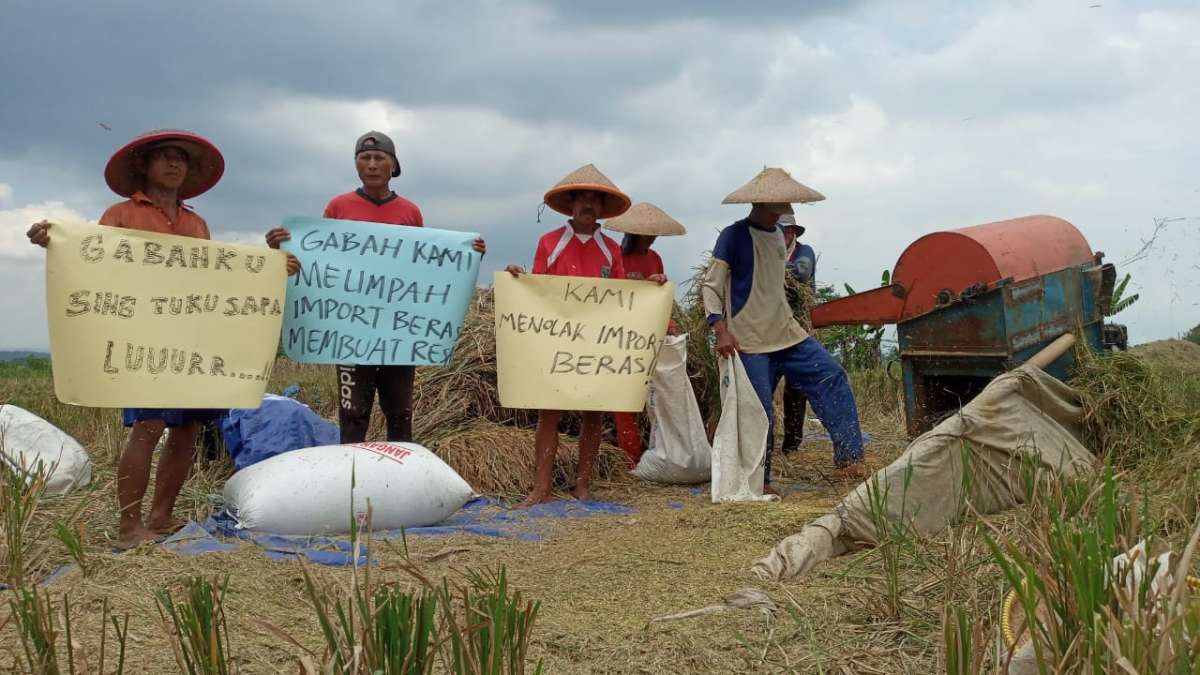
<point x="573" y="343"/>
<point x="139" y="319"/>
<point x="369" y="293"/>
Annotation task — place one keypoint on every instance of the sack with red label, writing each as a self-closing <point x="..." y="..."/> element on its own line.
<point x="308" y="491"/>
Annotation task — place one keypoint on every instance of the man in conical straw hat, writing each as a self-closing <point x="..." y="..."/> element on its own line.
<point x="155" y="172"/>
<point x="744" y="298"/>
<point x="577" y="249"/>
<point x="641" y="225"/>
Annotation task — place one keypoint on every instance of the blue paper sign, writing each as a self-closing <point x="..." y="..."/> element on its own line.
<point x="376" y="294"/>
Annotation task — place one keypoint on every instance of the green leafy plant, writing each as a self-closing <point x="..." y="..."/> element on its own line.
<point x="34" y="612"/>
<point x="1079" y="612"/>
<point x="20" y="493"/>
<point x="488" y="628"/>
<point x="1120" y="302"/>
<point x="895" y="537"/>
<point x="72" y="539"/>
<point x="1193" y="335"/>
<point x="858" y="347"/>
<point x="197" y="626"/>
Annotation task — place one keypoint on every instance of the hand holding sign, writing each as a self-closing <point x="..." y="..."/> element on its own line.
<point x="575" y="343"/>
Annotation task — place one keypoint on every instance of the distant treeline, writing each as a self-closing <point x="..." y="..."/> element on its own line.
<point x="21" y="355"/>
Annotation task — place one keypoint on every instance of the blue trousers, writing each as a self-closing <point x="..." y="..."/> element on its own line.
<point x="808" y="367"/>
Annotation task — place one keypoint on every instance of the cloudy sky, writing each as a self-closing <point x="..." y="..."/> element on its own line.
<point x="909" y="116"/>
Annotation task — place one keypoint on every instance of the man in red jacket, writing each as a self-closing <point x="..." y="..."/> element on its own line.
<point x="577" y="249"/>
<point x="374" y="201"/>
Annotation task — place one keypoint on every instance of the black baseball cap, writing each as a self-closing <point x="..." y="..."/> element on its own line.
<point x="377" y="140"/>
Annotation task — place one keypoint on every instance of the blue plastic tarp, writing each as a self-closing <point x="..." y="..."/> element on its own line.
<point x="483" y="516"/>
<point x="281" y="424"/>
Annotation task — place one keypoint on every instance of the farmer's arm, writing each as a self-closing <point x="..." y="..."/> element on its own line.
<point x="803" y="264"/>
<point x="715" y="286"/>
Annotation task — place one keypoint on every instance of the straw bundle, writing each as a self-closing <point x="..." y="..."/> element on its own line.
<point x="1132" y="411"/>
<point x="450" y="398"/>
<point x="499" y="460"/>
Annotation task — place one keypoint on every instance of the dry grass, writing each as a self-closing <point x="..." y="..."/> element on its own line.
<point x="599" y="580"/>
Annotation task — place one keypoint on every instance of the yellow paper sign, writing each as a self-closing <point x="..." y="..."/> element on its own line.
<point x="139" y="319"/>
<point x="575" y="343"/>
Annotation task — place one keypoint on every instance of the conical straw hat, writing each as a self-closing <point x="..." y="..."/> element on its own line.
<point x="773" y="186"/>
<point x="587" y="178"/>
<point x="646" y="218"/>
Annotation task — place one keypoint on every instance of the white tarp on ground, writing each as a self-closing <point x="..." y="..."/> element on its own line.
<point x="27" y="441"/>
<point x="1023" y="416"/>
<point x="679" y="451"/>
<point x="740" y="442"/>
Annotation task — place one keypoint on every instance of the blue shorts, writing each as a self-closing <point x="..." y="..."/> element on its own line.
<point x="174" y="417"/>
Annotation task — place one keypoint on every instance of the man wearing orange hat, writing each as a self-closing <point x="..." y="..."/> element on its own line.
<point x="747" y="308"/>
<point x="577" y="249"/>
<point x="156" y="172"/>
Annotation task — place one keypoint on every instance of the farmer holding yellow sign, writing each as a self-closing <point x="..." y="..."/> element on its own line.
<point x="156" y="172"/>
<point x="577" y="249"/>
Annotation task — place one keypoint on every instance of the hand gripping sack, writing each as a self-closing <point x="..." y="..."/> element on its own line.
<point x="308" y="491"/>
<point x="27" y="440"/>
<point x="679" y="451"/>
<point x="740" y="443"/>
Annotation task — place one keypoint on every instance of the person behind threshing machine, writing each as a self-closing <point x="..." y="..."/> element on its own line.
<point x="156" y="172"/>
<point x="641" y="225"/>
<point x="802" y="267"/>
<point x="744" y="298"/>
<point x="375" y="202"/>
<point x="577" y="249"/>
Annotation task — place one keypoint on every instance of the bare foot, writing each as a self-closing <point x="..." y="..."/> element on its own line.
<point x="769" y="489"/>
<point x="534" y="499"/>
<point x="582" y="492"/>
<point x="135" y="537"/>
<point x="168" y="526"/>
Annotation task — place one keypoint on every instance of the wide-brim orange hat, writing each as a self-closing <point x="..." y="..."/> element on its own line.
<point x="588" y="177"/>
<point x="205" y="163"/>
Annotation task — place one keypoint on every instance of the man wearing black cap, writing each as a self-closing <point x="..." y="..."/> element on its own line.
<point x="375" y="202"/>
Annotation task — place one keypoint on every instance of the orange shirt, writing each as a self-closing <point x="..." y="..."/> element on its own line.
<point x="139" y="213"/>
<point x="642" y="265"/>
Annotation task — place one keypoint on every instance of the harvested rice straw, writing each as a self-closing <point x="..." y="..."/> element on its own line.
<point x="499" y="460"/>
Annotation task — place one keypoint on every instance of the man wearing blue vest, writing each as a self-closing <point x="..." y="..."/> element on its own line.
<point x="747" y="308"/>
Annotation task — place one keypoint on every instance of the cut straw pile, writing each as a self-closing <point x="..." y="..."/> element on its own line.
<point x="457" y="414"/>
<point x="496" y="459"/>
<point x="1135" y="412"/>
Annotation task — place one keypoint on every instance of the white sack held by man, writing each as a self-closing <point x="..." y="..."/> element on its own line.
<point x="679" y="451"/>
<point x="28" y="442"/>
<point x="740" y="443"/>
<point x="975" y="455"/>
<point x="309" y="491"/>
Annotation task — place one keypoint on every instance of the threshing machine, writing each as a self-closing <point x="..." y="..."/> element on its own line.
<point x="969" y="304"/>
